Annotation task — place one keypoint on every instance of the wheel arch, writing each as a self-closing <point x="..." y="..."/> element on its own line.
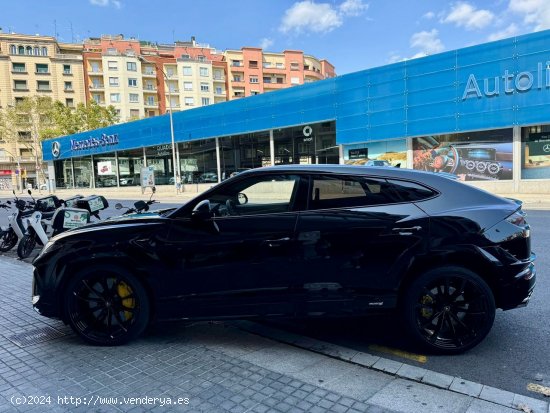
<point x="469" y="259"/>
<point x="122" y="263"/>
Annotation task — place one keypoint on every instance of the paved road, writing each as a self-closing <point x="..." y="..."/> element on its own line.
<point x="514" y="354"/>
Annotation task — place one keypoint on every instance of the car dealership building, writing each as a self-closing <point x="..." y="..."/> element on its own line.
<point x="482" y="113"/>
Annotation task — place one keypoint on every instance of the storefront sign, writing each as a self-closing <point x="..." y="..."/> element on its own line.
<point x="358" y="153"/>
<point x="92" y="143"/>
<point x="4" y="172"/>
<point x="508" y="83"/>
<point x="541" y="148"/>
<point x="164" y="150"/>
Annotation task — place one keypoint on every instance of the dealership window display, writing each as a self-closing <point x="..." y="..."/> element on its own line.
<point x="105" y="171"/>
<point x="129" y="166"/>
<point x="64" y="174"/>
<point x="535" y="152"/>
<point x="309" y="144"/>
<point x="473" y="156"/>
<point x="83" y="172"/>
<point x="241" y="152"/>
<point x="198" y="161"/>
<point x="393" y="152"/>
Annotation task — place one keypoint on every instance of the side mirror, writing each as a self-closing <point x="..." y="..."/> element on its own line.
<point x="202" y="210"/>
<point x="118" y="205"/>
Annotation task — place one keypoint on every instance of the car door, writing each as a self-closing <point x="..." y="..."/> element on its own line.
<point x="355" y="238"/>
<point x="238" y="262"/>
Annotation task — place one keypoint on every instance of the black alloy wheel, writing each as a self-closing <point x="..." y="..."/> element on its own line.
<point x="106" y="306"/>
<point x="449" y="310"/>
<point x="8" y="239"/>
<point x="26" y="245"/>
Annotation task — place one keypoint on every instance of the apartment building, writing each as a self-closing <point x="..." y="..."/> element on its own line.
<point x="30" y="66"/>
<point x="144" y="79"/>
<point x="253" y="71"/>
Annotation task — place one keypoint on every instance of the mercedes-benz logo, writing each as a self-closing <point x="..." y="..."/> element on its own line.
<point x="546" y="148"/>
<point x="56" y="149"/>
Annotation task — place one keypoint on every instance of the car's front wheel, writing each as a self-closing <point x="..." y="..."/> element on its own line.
<point x="448" y="310"/>
<point x="106" y="305"/>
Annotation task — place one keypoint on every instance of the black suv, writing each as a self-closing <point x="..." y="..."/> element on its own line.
<point x="295" y="241"/>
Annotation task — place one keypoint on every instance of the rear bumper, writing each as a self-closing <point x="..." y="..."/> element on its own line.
<point x="517" y="289"/>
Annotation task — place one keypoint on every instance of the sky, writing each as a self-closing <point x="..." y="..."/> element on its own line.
<point x="351" y="34"/>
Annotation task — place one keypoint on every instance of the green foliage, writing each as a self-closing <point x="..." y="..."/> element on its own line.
<point x="46" y="119"/>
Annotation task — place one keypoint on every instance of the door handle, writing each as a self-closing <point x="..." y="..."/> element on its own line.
<point x="276" y="242"/>
<point x="407" y="231"/>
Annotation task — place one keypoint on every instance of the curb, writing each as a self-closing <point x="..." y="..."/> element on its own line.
<point x="402" y="370"/>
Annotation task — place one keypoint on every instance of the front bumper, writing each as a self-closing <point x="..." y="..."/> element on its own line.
<point x="517" y="290"/>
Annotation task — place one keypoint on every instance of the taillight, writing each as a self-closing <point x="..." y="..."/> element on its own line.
<point x="517" y="218"/>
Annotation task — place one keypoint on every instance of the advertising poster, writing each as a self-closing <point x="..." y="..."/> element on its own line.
<point x="105" y="168"/>
<point x="390" y="153"/>
<point x="536" y="160"/>
<point x="147" y="177"/>
<point x="469" y="161"/>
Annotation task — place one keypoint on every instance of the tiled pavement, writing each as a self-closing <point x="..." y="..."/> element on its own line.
<point x="207" y="367"/>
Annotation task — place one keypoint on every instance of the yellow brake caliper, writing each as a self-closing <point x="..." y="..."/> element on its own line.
<point x="124" y="291"/>
<point x="426" y="300"/>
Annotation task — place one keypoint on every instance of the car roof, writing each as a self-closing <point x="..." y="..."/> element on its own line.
<point x="443" y="182"/>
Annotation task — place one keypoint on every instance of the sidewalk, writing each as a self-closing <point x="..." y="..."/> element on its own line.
<point x="211" y="367"/>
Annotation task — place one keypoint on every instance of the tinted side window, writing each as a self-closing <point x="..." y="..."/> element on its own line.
<point x="411" y="191"/>
<point x="258" y="195"/>
<point x="348" y="191"/>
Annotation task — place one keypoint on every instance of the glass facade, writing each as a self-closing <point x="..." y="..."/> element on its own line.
<point x="535" y="152"/>
<point x="474" y="156"/>
<point x="198" y="160"/>
<point x="129" y="166"/>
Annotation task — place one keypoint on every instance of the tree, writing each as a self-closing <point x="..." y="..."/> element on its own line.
<point x="34" y="119"/>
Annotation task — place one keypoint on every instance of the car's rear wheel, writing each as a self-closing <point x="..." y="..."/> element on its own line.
<point x="449" y="310"/>
<point x="106" y="305"/>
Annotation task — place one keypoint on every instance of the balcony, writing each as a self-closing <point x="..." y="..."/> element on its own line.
<point x="97" y="87"/>
<point x="151" y="105"/>
<point x="150" y="89"/>
<point x="314" y="74"/>
<point x="219" y="78"/>
<point x="97" y="72"/>
<point x="151" y="73"/>
<point x="190" y="59"/>
<point x="173" y="91"/>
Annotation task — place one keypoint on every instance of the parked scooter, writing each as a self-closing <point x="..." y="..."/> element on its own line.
<point x="44" y="225"/>
<point x="17" y="225"/>
<point x="8" y="237"/>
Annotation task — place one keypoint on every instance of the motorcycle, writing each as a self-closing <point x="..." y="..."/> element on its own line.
<point x="71" y="213"/>
<point x="139" y="206"/>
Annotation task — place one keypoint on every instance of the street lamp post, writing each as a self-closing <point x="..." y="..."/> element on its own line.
<point x="142" y="59"/>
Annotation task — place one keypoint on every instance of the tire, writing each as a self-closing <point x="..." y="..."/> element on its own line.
<point x="106" y="305"/>
<point x="448" y="310"/>
<point x="26" y="245"/>
<point x="8" y="240"/>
